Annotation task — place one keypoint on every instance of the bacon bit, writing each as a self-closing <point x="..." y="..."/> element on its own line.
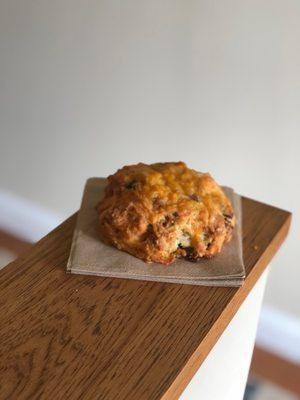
<point x="169" y="220"/>
<point x="157" y="202"/>
<point x="132" y="185"/>
<point x="194" y="197"/>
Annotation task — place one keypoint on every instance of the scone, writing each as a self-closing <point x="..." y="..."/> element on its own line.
<point x="160" y="212"/>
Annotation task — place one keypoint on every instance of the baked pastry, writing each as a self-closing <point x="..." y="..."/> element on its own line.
<point x="163" y="211"/>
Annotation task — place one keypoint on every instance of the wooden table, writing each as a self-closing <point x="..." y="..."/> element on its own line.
<point x="81" y="337"/>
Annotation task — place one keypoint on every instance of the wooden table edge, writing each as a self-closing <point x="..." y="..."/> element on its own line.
<point x="184" y="376"/>
<point x="199" y="356"/>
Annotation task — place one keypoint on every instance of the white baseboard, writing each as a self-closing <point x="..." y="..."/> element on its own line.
<point x="277" y="331"/>
<point x="24" y="218"/>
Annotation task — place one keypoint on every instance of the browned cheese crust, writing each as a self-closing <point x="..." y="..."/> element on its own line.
<point x="163" y="211"/>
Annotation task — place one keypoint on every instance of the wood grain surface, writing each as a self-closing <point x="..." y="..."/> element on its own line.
<point x="81" y="337"/>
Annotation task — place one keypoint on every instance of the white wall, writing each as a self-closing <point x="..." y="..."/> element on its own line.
<point x="88" y="86"/>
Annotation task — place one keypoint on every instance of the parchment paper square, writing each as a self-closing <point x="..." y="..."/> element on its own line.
<point x="92" y="257"/>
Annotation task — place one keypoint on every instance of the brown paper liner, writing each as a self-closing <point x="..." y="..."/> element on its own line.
<point x="92" y="257"/>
